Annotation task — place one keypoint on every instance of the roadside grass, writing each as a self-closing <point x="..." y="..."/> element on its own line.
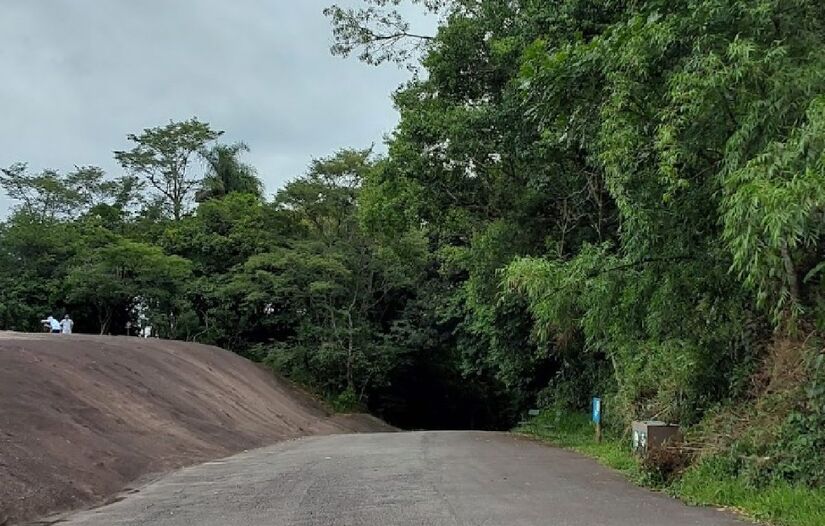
<point x="573" y="431"/>
<point x="780" y="504"/>
<point x="707" y="483"/>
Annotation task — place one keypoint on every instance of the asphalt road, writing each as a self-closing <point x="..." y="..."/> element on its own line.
<point x="426" y="478"/>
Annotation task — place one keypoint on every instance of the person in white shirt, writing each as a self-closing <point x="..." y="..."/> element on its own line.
<point x="67" y="324"/>
<point x="54" y="325"/>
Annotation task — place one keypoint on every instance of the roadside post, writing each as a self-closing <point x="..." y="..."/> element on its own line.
<point x="596" y="417"/>
<point x="531" y="414"/>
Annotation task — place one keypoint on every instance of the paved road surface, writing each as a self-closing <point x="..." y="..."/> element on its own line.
<point x="428" y="478"/>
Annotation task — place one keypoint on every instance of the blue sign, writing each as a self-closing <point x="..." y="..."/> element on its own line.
<point x="597" y="411"/>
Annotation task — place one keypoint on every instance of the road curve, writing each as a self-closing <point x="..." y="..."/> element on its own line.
<point x="422" y="478"/>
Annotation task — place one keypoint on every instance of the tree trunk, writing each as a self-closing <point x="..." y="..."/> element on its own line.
<point x="350" y="353"/>
<point x="105" y="319"/>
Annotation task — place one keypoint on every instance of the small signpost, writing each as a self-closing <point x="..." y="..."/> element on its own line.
<point x="532" y="413"/>
<point x="596" y="416"/>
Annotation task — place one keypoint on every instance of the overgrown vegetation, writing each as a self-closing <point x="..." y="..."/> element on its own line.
<point x="623" y="198"/>
<point x="713" y="481"/>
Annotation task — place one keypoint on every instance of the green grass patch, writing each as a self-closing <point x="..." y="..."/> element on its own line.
<point x="574" y="431"/>
<point x="708" y="483"/>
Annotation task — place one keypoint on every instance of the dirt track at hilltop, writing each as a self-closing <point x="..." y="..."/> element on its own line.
<point x="82" y="417"/>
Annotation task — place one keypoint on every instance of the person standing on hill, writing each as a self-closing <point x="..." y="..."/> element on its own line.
<point x="54" y="325"/>
<point x="66" y="324"/>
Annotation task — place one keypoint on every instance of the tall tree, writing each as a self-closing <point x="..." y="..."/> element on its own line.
<point x="227" y="173"/>
<point x="338" y="281"/>
<point x="51" y="195"/>
<point x="119" y="276"/>
<point x="164" y="158"/>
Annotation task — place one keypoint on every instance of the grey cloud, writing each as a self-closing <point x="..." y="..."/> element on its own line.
<point x="78" y="75"/>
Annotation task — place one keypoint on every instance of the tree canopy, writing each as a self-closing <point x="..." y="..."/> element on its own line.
<point x="163" y="158"/>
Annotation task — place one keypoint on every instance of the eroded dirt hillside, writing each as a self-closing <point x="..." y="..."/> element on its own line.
<point x="82" y="417"/>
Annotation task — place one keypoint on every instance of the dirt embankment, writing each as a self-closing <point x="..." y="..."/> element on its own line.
<point x="81" y="417"/>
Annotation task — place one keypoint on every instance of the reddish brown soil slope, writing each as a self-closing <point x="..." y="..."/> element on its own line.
<point x="81" y="417"/>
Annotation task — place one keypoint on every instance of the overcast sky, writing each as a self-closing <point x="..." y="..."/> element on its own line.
<point x="78" y="75"/>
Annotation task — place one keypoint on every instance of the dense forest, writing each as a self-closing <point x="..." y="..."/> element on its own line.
<point x="622" y="198"/>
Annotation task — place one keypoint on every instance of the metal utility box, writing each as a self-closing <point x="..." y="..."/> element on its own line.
<point x="652" y="434"/>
